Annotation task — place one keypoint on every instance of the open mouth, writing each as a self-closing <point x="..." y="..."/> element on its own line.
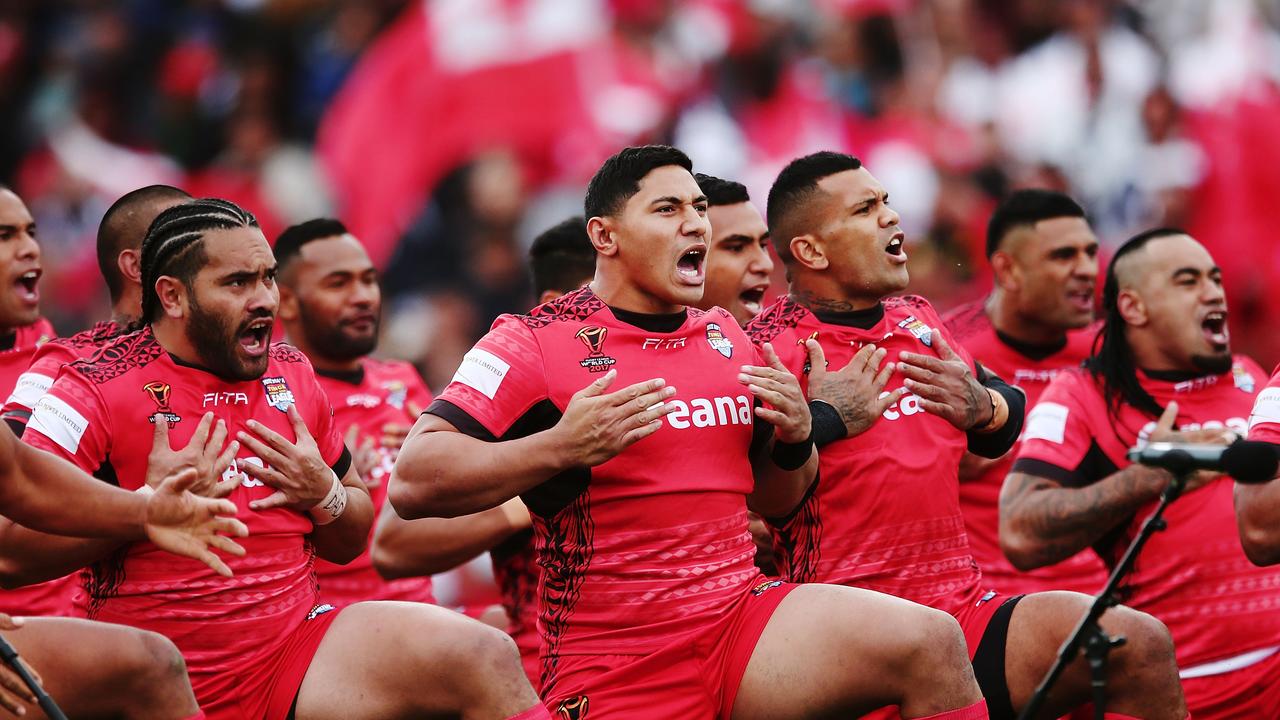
<point x="27" y="286"/>
<point x="256" y="337"/>
<point x="753" y="298"/>
<point x="894" y="248"/>
<point x="691" y="264"/>
<point x="1215" y="330"/>
<point x="1081" y="299"/>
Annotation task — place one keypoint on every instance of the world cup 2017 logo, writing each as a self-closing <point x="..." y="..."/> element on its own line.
<point x="159" y="393"/>
<point x="593" y="337"/>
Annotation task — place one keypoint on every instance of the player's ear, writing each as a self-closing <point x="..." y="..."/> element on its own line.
<point x="809" y="251"/>
<point x="1131" y="308"/>
<point x="172" y="293"/>
<point x="288" y="309"/>
<point x="1005" y="271"/>
<point x="129" y="263"/>
<point x="602" y="233"/>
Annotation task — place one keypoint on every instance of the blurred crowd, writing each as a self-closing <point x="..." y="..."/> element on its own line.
<point x="448" y="133"/>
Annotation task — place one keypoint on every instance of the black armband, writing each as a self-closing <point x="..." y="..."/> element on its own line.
<point x="998" y="442"/>
<point x="827" y="425"/>
<point x="792" y="456"/>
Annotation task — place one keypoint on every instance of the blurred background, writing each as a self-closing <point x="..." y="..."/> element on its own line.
<point x="448" y="133"/>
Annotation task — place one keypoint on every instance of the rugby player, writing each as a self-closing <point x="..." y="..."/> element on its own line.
<point x="1164" y="362"/>
<point x="262" y="645"/>
<point x="627" y="423"/>
<point x="892" y="424"/>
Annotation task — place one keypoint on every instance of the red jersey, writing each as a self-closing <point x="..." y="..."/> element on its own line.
<point x="516" y="573"/>
<point x="378" y="394"/>
<point x="885" y="514"/>
<point x="49" y="358"/>
<point x="53" y="597"/>
<point x="641" y="551"/>
<point x="1194" y="576"/>
<point x="98" y="415"/>
<point x="1264" y="421"/>
<point x="1031" y="369"/>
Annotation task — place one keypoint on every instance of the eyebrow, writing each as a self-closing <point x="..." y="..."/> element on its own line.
<point x="870" y="200"/>
<point x="677" y="201"/>
<point x="1195" y="271"/>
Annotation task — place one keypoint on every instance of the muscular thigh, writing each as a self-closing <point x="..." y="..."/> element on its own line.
<point x="828" y="649"/>
<point x="85" y="665"/>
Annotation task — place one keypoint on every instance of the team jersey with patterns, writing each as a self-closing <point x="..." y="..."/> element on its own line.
<point x="49" y="358"/>
<point x="380" y="393"/>
<point x="53" y="597"/>
<point x="638" y="552"/>
<point x="1193" y="576"/>
<point x="516" y="572"/>
<point x="1029" y="369"/>
<point x="1264" y="420"/>
<point x="885" y="513"/>
<point x="98" y="415"/>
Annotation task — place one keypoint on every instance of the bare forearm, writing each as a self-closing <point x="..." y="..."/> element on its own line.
<point x="342" y="540"/>
<point x="448" y="474"/>
<point x="1042" y="523"/>
<point x="1258" y="519"/>
<point x="28" y="557"/>
<point x="777" y="491"/>
<point x="37" y="489"/>
<point x="411" y="548"/>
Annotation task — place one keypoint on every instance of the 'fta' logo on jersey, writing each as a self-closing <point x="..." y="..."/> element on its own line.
<point x="593" y="337"/>
<point x="279" y="396"/>
<point x="662" y="343"/>
<point x="159" y="393"/>
<point x="923" y="332"/>
<point x="717" y="340"/>
<point x="225" y="398"/>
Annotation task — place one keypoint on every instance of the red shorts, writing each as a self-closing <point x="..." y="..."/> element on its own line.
<point x="697" y="677"/>
<point x="1250" y="692"/>
<point x="269" y="683"/>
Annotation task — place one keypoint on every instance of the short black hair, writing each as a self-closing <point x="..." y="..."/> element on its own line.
<point x="562" y="257"/>
<point x="721" y="192"/>
<point x="174" y="244"/>
<point x="796" y="184"/>
<point x="125" y="225"/>
<point x="1025" y="208"/>
<point x="619" y="177"/>
<point x="290" y="242"/>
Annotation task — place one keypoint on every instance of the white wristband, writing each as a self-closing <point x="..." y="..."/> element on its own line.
<point x="146" y="490"/>
<point x="333" y="504"/>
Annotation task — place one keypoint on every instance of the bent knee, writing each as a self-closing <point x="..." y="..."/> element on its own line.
<point x="1148" y="643"/>
<point x="933" y="638"/>
<point x="152" y="657"/>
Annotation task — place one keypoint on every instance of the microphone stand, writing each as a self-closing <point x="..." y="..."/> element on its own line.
<point x="10" y="658"/>
<point x="1088" y="634"/>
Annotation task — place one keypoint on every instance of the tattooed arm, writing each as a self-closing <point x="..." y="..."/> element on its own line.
<point x="1042" y="522"/>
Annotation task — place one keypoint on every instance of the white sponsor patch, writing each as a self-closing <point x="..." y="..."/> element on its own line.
<point x="483" y="371"/>
<point x="30" y="388"/>
<point x="1047" y="421"/>
<point x="59" y="422"/>
<point x="1266" y="409"/>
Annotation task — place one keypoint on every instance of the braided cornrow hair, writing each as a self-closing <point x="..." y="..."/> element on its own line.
<point x="1112" y="359"/>
<point x="174" y="244"/>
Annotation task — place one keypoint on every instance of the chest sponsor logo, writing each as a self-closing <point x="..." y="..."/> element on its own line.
<point x="907" y="406"/>
<point x="662" y="343"/>
<point x="397" y="393"/>
<point x="1238" y="425"/>
<point x="279" y="396"/>
<point x="221" y="399"/>
<point x="717" y="340"/>
<point x="1026" y="376"/>
<point x="709" y="412"/>
<point x="160" y="392"/>
<point x="923" y="332"/>
<point x="593" y="337"/>
<point x="363" y="400"/>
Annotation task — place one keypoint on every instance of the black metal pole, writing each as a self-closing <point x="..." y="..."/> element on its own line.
<point x="1088" y="634"/>
<point x="10" y="658"/>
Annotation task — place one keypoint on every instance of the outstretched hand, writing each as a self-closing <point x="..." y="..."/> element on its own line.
<point x="295" y="469"/>
<point x="854" y="390"/>
<point x="597" y="425"/>
<point x="13" y="692"/>
<point x="204" y="453"/>
<point x="774" y="384"/>
<point x="183" y="523"/>
<point x="946" y="386"/>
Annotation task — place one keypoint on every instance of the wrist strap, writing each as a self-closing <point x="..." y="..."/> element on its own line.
<point x="792" y="456"/>
<point x="333" y="504"/>
<point x="827" y="425"/>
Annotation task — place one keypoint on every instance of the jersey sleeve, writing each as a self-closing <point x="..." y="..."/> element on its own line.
<point x="499" y="380"/>
<point x="320" y="422"/>
<point x="1058" y="435"/>
<point x="1264" y="421"/>
<point x="36" y="381"/>
<point x="71" y="421"/>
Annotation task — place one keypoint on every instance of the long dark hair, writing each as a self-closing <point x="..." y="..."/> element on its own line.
<point x="1112" y="359"/>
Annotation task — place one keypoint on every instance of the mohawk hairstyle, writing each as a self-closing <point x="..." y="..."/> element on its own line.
<point x="721" y="192"/>
<point x="174" y="244"/>
<point x="619" y="177"/>
<point x="795" y="186"/>
<point x="562" y="257"/>
<point x="290" y="242"/>
<point x="1025" y="208"/>
<point x="121" y="229"/>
